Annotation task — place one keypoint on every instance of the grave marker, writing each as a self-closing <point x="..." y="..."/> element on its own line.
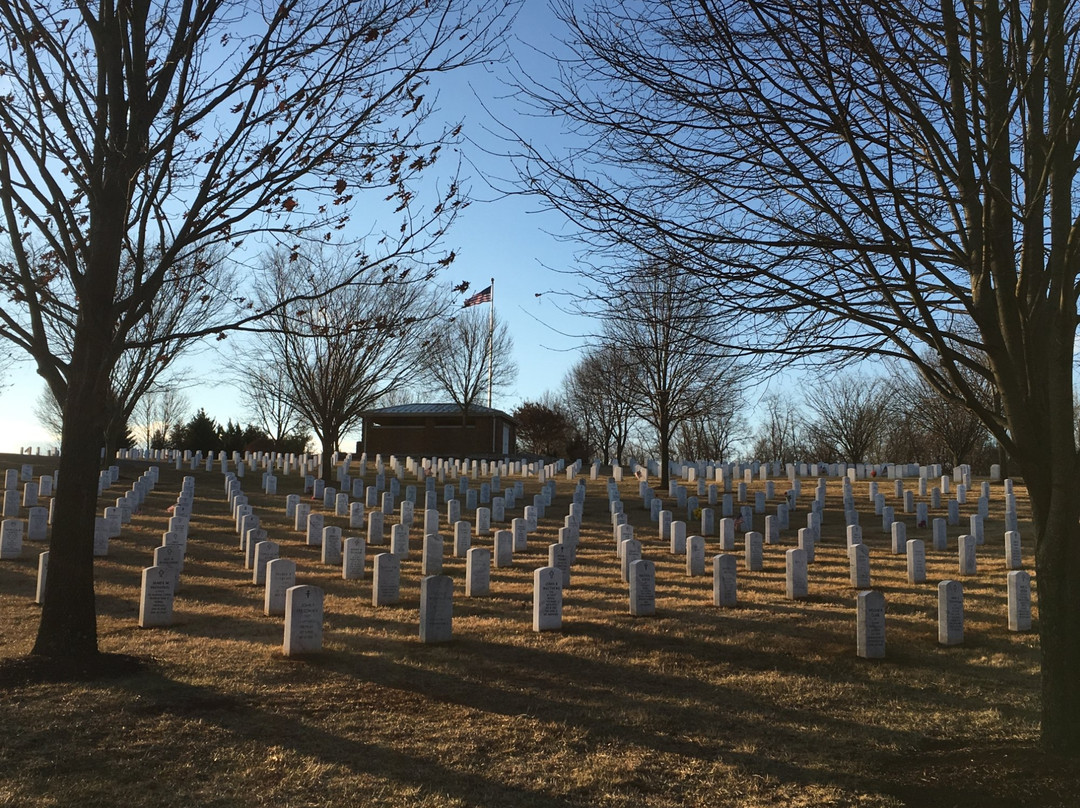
<point x="168" y="557"/>
<point x="42" y="577"/>
<point x="462" y="538"/>
<point x="642" y="579"/>
<point x="1013" y="555"/>
<point x="280" y="575"/>
<point x="156" y="598"/>
<point x="547" y="599"/>
<point x="477" y="572"/>
<point x="724" y="580"/>
<point x="265" y="552"/>
<point x="399" y="541"/>
<point x="11" y="538"/>
<point x="870" y="625"/>
<point x="385" y="579"/>
<point x="796" y="574"/>
<point x="331" y="545"/>
<point x="859" y="566"/>
<point x="1019" y="586"/>
<point x="753" y="552"/>
<point x="967" y="547"/>
<point x="695" y="556"/>
<point x="303" y="620"/>
<point x="950" y="612"/>
<point x="431" y="559"/>
<point x="916" y="561"/>
<point x="436" y="608"/>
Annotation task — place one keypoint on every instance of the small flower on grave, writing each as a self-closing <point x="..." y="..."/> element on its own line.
<point x="697" y="513"/>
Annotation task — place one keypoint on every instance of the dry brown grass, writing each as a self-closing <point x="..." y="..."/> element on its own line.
<point x="764" y="704"/>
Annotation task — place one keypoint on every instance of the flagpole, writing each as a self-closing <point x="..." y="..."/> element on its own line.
<point x="491" y="339"/>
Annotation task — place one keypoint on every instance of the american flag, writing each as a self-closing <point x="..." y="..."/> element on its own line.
<point x="483" y="296"/>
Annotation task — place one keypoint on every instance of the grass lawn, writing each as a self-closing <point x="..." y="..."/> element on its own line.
<point x="763" y="704"/>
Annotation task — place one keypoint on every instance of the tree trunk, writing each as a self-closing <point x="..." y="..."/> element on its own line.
<point x="1054" y="491"/>
<point x="68" y="625"/>
<point x="329" y="449"/>
<point x="1057" y="565"/>
<point x="664" y="433"/>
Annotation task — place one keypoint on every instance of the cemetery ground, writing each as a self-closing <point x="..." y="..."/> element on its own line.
<point x="762" y="704"/>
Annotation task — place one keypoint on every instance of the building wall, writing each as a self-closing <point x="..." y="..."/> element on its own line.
<point x="438" y="436"/>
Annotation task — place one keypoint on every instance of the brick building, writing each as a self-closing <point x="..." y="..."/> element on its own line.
<point x="438" y="430"/>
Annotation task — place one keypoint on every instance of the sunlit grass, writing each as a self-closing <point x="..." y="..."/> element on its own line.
<point x="763" y="704"/>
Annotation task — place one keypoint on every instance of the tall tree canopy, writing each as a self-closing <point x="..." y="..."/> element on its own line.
<point x="860" y="179"/>
<point x="147" y="135"/>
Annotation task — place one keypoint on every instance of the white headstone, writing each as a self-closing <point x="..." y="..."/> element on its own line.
<point x="678" y="537"/>
<point x="547" y="599"/>
<point x="807" y="543"/>
<point x="462" y="538"/>
<point x="859" y="566"/>
<point x="724" y="580"/>
<point x="353" y="557"/>
<point x="796" y="574"/>
<point x="300" y="520"/>
<point x="629" y="552"/>
<point x="42" y="577"/>
<point x="156" y="598"/>
<point x="303" y="620"/>
<point x="1019" y="601"/>
<point x="870" y="625"/>
<point x="753" y="553"/>
<point x="477" y="572"/>
<point x="559" y="557"/>
<point x="375" y="528"/>
<point x="950" y="612"/>
<point x="37" y="524"/>
<point x="331" y="545"/>
<point x="916" y="561"/>
<point x="642" y="574"/>
<point x="940" y="534"/>
<point x="399" y="541"/>
<point x="431" y="559"/>
<point x="265" y="552"/>
<point x="695" y="556"/>
<point x="11" y="538"/>
<point x="314" y="529"/>
<point x="1013" y="554"/>
<point x="386" y="579"/>
<point x="436" y="608"/>
<point x="169" y="557"/>
<point x="967" y="546"/>
<point x="11" y="504"/>
<point x="504" y="548"/>
<point x="280" y="575"/>
<point x="899" y="537"/>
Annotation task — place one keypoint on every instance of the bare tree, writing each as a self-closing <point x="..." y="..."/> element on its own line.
<point x="597" y="394"/>
<point x="267" y="393"/>
<point x="847" y="418"/>
<point x="780" y="435"/>
<point x="669" y="330"/>
<point x="462" y="351"/>
<point x="861" y="179"/>
<point x="351" y="346"/>
<point x="716" y="430"/>
<point x="49" y="413"/>
<point x="145" y="135"/>
<point x="161" y="410"/>
<point x="957" y="430"/>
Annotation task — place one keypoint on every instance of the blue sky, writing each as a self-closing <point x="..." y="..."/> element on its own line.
<point x="502" y="237"/>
